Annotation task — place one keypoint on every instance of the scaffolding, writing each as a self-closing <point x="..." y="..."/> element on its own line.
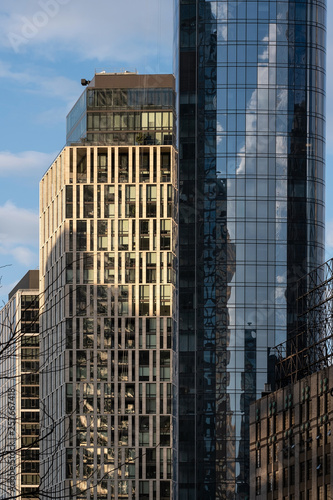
<point x="310" y="348"/>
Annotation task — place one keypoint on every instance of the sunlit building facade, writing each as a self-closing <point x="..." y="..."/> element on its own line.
<point x="108" y="259"/>
<point x="291" y="441"/>
<point x="19" y="391"/>
<point x="251" y="92"/>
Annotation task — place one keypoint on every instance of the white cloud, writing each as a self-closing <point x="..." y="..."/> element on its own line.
<point x="53" y="116"/>
<point x="106" y="31"/>
<point x="49" y="85"/>
<point x="26" y="164"/>
<point x="18" y="226"/>
<point x="329" y="102"/>
<point x="18" y="235"/>
<point x="24" y="256"/>
<point x="5" y="289"/>
<point x="329" y="74"/>
<point x="329" y="235"/>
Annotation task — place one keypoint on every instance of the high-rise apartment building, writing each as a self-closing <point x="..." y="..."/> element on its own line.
<point x="19" y="391"/>
<point x="251" y="83"/>
<point x="108" y="248"/>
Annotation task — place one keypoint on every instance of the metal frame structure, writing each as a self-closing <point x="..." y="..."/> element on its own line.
<point x="310" y="349"/>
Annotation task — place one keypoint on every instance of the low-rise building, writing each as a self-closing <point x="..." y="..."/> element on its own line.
<point x="19" y="391"/>
<point x="291" y="441"/>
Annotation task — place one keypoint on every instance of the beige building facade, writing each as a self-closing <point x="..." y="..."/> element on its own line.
<point x="291" y="441"/>
<point x="108" y="260"/>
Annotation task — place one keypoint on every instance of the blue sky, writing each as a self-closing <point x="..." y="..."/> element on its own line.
<point x="46" y="47"/>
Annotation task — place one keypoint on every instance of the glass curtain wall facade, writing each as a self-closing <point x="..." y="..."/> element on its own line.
<point x="137" y="109"/>
<point x="251" y="91"/>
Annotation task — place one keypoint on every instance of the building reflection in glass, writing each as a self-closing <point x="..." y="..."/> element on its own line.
<point x="251" y="143"/>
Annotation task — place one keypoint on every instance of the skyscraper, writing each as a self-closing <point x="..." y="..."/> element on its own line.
<point x="251" y="92"/>
<point x="108" y="247"/>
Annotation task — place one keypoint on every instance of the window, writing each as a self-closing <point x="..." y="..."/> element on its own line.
<point x="102" y="235"/>
<point x="81" y="168"/>
<point x="81" y="300"/>
<point x="327" y="402"/>
<point x="130" y="267"/>
<point x="165" y="309"/>
<point x="285" y="420"/>
<point x="151" y="267"/>
<point x="109" y="267"/>
<point x="151" y="201"/>
<point x="270" y="482"/>
<point x="123" y="431"/>
<point x="151" y="398"/>
<point x="123" y="234"/>
<point x="165" y="167"/>
<point x="123" y="167"/>
<point x="143" y="431"/>
<point x="102" y="299"/>
<point x="88" y="198"/>
<point x="328" y="463"/>
<point x="130" y="462"/>
<point x="165" y="427"/>
<point x="258" y="485"/>
<point x="69" y="202"/>
<point x="165" y="365"/>
<point x="328" y="491"/>
<point x="144" y="167"/>
<point x="302" y="472"/>
<point x="109" y="200"/>
<point x="171" y="204"/>
<point x="320" y="466"/>
<point x="102" y="160"/>
<point x="151" y="463"/>
<point x="276" y="480"/>
<point x="109" y="332"/>
<point x="285" y="477"/>
<point x="144" y="365"/>
<point x="320" y="495"/>
<point x="275" y="452"/>
<point x="144" y="490"/>
<point x="308" y="440"/>
<point x="81" y="235"/>
<point x="319" y="435"/>
<point x="144" y="300"/>
<point x="144" y="235"/>
<point x="320" y="405"/>
<point x="88" y="267"/>
<point x="270" y="454"/>
<point x="130" y="201"/>
<point x="151" y="333"/>
<point x="165" y="490"/>
<point x="165" y="234"/>
<point x="123" y="300"/>
<point x="309" y="470"/>
<point x="258" y="458"/>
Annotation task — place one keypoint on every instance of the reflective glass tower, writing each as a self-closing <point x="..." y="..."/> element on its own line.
<point x="251" y="87"/>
